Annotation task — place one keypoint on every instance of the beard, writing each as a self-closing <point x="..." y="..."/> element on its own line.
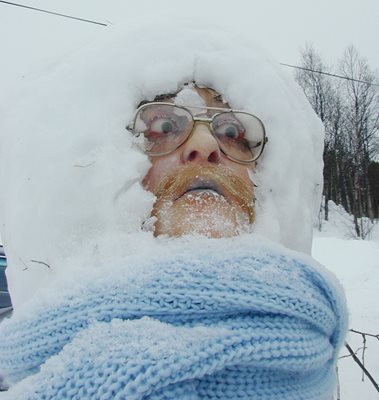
<point x="210" y="200"/>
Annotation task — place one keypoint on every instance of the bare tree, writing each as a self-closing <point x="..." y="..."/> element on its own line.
<point x="362" y="116"/>
<point x="326" y="101"/>
<point x="349" y="111"/>
<point x="317" y="88"/>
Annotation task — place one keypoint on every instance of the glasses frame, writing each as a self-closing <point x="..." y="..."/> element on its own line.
<point x="196" y="119"/>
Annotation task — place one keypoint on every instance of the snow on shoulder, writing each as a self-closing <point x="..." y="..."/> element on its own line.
<point x="71" y="175"/>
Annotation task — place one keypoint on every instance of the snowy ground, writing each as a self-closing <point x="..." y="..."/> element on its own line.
<point x="356" y="264"/>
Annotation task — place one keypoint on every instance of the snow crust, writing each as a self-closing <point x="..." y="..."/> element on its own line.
<point x="71" y="176"/>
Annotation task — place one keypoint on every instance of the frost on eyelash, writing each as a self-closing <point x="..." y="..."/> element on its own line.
<point x="233" y="121"/>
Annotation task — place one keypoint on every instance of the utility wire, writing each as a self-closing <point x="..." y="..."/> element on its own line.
<point x="54" y="13"/>
<point x="329" y="74"/>
<point x="103" y="24"/>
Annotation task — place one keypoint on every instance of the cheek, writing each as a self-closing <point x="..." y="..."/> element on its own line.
<point x="242" y="171"/>
<point x="159" y="168"/>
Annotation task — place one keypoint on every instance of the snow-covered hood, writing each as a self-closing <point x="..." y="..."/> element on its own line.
<point x="71" y="176"/>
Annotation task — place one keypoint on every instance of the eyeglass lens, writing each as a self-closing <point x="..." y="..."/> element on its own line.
<point x="166" y="127"/>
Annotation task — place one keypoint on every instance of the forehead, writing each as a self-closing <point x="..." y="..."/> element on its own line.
<point x="189" y="96"/>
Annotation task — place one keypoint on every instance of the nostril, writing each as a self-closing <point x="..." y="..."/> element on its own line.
<point x="214" y="157"/>
<point x="192" y="155"/>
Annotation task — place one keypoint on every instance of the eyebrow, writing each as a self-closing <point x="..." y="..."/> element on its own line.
<point x="218" y="97"/>
<point x="159" y="97"/>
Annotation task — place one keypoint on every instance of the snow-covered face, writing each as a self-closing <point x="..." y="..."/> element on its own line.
<point x="198" y="189"/>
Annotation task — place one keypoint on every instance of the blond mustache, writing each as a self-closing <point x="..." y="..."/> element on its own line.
<point x="235" y="190"/>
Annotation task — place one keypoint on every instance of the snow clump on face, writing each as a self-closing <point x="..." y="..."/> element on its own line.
<point x="71" y="175"/>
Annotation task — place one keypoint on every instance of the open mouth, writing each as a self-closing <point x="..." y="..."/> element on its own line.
<point x="211" y="183"/>
<point x="203" y="185"/>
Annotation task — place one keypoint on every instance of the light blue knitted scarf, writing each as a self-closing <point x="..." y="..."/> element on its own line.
<point x="255" y="324"/>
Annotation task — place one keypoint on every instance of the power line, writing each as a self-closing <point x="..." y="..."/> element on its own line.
<point x="53" y="13"/>
<point x="329" y="74"/>
<point x="103" y="24"/>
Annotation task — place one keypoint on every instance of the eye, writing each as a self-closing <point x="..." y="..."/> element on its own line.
<point x="162" y="125"/>
<point x="230" y="128"/>
<point x="230" y="131"/>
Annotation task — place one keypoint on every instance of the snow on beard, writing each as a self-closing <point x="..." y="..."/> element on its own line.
<point x="210" y="200"/>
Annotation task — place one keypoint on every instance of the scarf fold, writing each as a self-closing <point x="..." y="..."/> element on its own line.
<point x="254" y="324"/>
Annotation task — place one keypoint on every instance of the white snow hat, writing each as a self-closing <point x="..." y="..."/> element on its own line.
<point x="71" y="176"/>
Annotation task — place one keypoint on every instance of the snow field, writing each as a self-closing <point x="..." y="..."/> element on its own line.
<point x="356" y="265"/>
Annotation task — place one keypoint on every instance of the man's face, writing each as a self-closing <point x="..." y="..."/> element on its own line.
<point x="199" y="190"/>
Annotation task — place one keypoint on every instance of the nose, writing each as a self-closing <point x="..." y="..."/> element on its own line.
<point x="202" y="146"/>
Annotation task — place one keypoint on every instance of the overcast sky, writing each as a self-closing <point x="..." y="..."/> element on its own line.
<point x="30" y="41"/>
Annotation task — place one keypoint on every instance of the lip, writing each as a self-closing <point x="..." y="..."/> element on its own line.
<point x="200" y="184"/>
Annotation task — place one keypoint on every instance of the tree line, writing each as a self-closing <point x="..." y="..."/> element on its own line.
<point x="349" y="110"/>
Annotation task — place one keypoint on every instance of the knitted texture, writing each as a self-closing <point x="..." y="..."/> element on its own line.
<point x="254" y="325"/>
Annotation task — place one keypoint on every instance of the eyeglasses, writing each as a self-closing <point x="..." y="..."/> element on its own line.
<point x="161" y="128"/>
